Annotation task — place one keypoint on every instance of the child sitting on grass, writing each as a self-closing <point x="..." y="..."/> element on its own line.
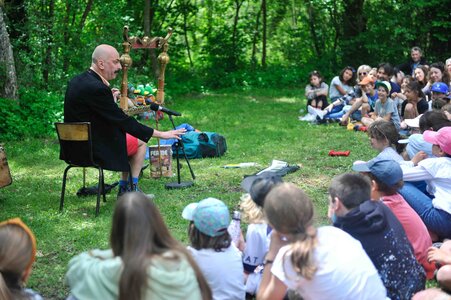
<point x="318" y="263"/>
<point x="258" y="231"/>
<point x="433" y="205"/>
<point x="386" y="180"/>
<point x="17" y="255"/>
<point x="380" y="232"/>
<point x="144" y="262"/>
<point x="384" y="108"/>
<point x="316" y="92"/>
<point x="442" y="257"/>
<point x="213" y="250"/>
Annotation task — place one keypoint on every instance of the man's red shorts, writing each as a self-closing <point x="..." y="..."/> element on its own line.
<point x="132" y="144"/>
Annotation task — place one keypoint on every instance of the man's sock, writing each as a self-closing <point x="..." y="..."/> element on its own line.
<point x="135" y="180"/>
<point x="123" y="183"/>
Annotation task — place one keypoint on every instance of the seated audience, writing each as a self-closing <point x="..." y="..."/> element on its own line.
<point x="384" y="73"/>
<point x="145" y="261"/>
<point x="442" y="257"/>
<point x="430" y="120"/>
<point x="386" y="180"/>
<point x="213" y="250"/>
<point x="365" y="103"/>
<point x="415" y="103"/>
<point x="420" y="75"/>
<point x="324" y="263"/>
<point x="416" y="59"/>
<point x="341" y="92"/>
<point x="316" y="91"/>
<point x="432" y="204"/>
<point x="384" y="108"/>
<point x="379" y="231"/>
<point x="437" y="73"/>
<point x="342" y="84"/>
<point x="17" y="255"/>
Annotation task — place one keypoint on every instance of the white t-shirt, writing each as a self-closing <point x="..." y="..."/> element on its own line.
<point x="257" y="245"/>
<point x="223" y="272"/>
<point x="437" y="174"/>
<point x="344" y="270"/>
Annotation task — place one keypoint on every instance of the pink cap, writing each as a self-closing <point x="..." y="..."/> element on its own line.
<point x="442" y="138"/>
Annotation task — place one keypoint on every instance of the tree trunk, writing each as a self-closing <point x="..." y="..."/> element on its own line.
<point x="48" y="51"/>
<point x="312" y="22"/>
<point x="8" y="77"/>
<point x="254" y="40"/>
<point x="265" y="29"/>
<point x="185" y="32"/>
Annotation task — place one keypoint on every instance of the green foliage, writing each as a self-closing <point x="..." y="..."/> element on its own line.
<point x="32" y="116"/>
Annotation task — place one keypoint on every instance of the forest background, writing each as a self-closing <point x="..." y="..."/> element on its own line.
<point x="245" y="60"/>
<point x="236" y="44"/>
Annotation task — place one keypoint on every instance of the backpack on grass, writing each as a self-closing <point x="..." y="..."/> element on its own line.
<point x="203" y="144"/>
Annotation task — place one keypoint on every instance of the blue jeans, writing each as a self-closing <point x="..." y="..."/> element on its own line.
<point x="335" y="113"/>
<point x="436" y="220"/>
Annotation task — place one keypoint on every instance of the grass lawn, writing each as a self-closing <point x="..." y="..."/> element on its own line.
<point x="259" y="125"/>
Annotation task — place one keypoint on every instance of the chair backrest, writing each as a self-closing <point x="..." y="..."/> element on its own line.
<point x="75" y="143"/>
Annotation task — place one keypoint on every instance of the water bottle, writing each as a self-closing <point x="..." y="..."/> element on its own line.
<point x="234" y="228"/>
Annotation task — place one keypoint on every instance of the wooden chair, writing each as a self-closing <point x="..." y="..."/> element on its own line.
<point x="76" y="150"/>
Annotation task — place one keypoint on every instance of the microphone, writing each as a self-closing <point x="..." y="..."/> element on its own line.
<point x="156" y="107"/>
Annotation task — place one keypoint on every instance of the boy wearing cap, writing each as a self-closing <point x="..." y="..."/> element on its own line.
<point x="440" y="95"/>
<point x="212" y="248"/>
<point x="366" y="102"/>
<point x="379" y="232"/>
<point x="386" y="180"/>
<point x="434" y="204"/>
<point x="384" y="108"/>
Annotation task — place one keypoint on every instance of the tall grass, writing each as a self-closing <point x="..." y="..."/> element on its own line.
<point x="259" y="125"/>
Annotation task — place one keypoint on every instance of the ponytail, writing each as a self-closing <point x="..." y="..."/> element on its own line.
<point x="302" y="253"/>
<point x="4" y="290"/>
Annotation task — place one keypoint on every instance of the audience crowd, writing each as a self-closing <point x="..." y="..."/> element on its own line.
<point x="390" y="220"/>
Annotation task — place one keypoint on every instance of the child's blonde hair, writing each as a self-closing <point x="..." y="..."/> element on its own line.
<point x="252" y="213"/>
<point x="290" y="211"/>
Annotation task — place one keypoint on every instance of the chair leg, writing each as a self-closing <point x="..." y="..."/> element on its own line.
<point x="103" y="186"/>
<point x="63" y="188"/>
<point x="99" y="190"/>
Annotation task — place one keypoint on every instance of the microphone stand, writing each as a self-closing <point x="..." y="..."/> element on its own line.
<point x="180" y="184"/>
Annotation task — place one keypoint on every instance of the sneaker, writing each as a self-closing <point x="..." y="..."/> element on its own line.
<point x="321" y="113"/>
<point x="122" y="190"/>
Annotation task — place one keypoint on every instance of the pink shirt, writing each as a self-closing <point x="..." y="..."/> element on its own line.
<point x="415" y="229"/>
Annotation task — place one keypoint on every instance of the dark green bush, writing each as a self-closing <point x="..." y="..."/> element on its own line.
<point x="32" y="116"/>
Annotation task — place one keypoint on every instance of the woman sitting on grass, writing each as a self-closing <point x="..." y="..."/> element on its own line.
<point x="415" y="104"/>
<point x="144" y="262"/>
<point x="17" y="254"/>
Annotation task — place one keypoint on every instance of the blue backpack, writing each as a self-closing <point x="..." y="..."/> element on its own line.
<point x="203" y="144"/>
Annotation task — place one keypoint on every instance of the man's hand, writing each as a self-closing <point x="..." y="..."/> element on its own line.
<point x="171" y="134"/>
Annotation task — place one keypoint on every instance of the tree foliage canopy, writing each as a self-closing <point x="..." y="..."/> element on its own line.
<point x="224" y="43"/>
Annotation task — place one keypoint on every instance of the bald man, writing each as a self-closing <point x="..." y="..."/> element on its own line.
<point x="118" y="140"/>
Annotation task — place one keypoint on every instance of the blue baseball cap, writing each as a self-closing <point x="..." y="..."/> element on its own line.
<point x="440" y="87"/>
<point x="210" y="216"/>
<point x="386" y="171"/>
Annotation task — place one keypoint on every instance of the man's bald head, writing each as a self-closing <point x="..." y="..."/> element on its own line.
<point x="102" y="52"/>
<point x="105" y="61"/>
